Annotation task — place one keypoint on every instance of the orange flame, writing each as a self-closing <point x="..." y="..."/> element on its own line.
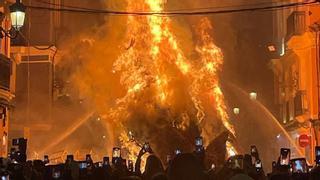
<point x="154" y="60"/>
<point x="140" y="73"/>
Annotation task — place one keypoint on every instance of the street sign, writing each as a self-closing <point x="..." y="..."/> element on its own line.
<point x="304" y="140"/>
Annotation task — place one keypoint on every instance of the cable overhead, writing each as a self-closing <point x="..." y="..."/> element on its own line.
<point x="174" y="10"/>
<point x="63" y="6"/>
<point x="174" y="13"/>
<point x="50" y="47"/>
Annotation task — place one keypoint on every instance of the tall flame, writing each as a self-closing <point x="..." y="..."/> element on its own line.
<point x="155" y="72"/>
<point x="138" y="75"/>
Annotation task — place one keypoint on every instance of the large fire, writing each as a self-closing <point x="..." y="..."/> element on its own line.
<point x="144" y="66"/>
<point x="165" y="89"/>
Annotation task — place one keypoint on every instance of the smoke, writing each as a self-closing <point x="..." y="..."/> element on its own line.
<point x="100" y="72"/>
<point x="94" y="75"/>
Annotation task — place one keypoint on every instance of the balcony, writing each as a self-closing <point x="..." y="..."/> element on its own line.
<point x="296" y="24"/>
<point x="5" y="69"/>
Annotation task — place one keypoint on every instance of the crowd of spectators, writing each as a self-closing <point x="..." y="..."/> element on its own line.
<point x="182" y="166"/>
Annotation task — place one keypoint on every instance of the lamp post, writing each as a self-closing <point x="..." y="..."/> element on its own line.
<point x="17" y="16"/>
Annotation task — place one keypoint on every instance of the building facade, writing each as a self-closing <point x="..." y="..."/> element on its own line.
<point x="296" y="71"/>
<point x="7" y="80"/>
<point x="35" y="52"/>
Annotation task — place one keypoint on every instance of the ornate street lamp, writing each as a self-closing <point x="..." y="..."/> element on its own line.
<point x="17" y="14"/>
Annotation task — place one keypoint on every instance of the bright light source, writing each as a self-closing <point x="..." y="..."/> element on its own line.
<point x="236" y="111"/>
<point x="231" y="151"/>
<point x="4" y="140"/>
<point x="130" y="133"/>
<point x="272" y="48"/>
<point x="131" y="136"/>
<point x="283" y="48"/>
<point x="17" y="14"/>
<point x="103" y="137"/>
<point x="253" y="96"/>
<point x="278" y="136"/>
<point x="99" y="118"/>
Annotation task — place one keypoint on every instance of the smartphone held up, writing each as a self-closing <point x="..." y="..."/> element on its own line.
<point x="285" y="154"/>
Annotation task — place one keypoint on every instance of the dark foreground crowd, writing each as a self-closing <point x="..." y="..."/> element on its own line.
<point x="183" y="166"/>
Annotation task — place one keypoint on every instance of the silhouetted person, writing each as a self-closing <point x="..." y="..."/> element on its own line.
<point x="38" y="170"/>
<point x="119" y="170"/>
<point x="279" y="172"/>
<point x="315" y="173"/>
<point x="153" y="167"/>
<point x="186" y="167"/>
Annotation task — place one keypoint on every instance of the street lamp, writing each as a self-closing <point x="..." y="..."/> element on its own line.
<point x="236" y="111"/>
<point x="253" y="96"/>
<point x="17" y="14"/>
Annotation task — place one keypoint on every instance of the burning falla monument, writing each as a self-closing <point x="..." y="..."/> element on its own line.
<point x="158" y="79"/>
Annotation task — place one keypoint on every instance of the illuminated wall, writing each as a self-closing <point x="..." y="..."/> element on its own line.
<point x="296" y="72"/>
<point x="7" y="85"/>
